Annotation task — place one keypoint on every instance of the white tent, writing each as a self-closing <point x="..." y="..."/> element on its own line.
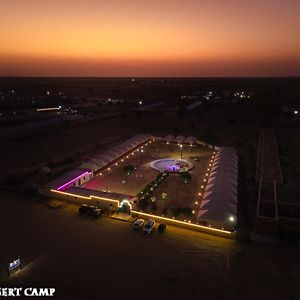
<point x="89" y="165"/>
<point x="191" y="140"/>
<point x="99" y="162"/>
<point x="106" y="157"/>
<point x="169" y="138"/>
<point x="179" y="139"/>
<point x="102" y="159"/>
<point x="219" y="205"/>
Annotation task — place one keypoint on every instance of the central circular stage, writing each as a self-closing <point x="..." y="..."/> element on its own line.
<point x="171" y="165"/>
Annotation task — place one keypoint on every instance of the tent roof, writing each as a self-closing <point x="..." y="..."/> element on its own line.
<point x="190" y="140"/>
<point x="220" y="197"/>
<point x="102" y="159"/>
<point x="169" y="138"/>
<point x="179" y="139"/>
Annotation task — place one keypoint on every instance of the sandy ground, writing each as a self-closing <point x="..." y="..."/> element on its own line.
<point x="88" y="259"/>
<point x="118" y="181"/>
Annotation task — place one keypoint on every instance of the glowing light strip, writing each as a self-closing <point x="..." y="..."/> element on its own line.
<point x="205" y="228"/>
<point x="49" y="108"/>
<point x="87" y="197"/>
<point x="72" y="180"/>
<point x="182" y="222"/>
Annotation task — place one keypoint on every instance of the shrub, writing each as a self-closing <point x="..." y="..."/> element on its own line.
<point x="144" y="202"/>
<point x="164" y="196"/>
<point x="185" y="211"/>
<point x="154" y="207"/>
<point x="165" y="211"/>
<point x="129" y="169"/>
<point x="185" y="176"/>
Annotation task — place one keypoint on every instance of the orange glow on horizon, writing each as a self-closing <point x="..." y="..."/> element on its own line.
<point x="130" y="38"/>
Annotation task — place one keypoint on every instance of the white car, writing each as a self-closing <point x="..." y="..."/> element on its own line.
<point x="148" y="228"/>
<point x="138" y="224"/>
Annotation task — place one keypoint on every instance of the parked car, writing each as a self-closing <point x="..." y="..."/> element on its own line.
<point x="148" y="228"/>
<point x="138" y="224"/>
<point x="97" y="212"/>
<point x="90" y="210"/>
<point x="83" y="209"/>
<point x="162" y="227"/>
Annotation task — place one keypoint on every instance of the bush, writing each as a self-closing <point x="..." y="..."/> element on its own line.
<point x="154" y="206"/>
<point x="185" y="211"/>
<point x="185" y="176"/>
<point x="148" y="189"/>
<point x="129" y="169"/>
<point x="165" y="211"/>
<point x="144" y="202"/>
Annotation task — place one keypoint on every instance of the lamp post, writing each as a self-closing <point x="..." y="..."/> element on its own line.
<point x="180" y="150"/>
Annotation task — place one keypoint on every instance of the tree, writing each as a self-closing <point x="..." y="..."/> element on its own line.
<point x="164" y="196"/>
<point x="185" y="176"/>
<point x="128" y="169"/>
<point x="153" y="199"/>
<point x="154" y="207"/>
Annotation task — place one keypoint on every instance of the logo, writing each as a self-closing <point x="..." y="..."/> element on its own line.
<point x="27" y="292"/>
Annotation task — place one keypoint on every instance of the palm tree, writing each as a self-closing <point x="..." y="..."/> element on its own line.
<point x="128" y="169"/>
<point x="185" y="176"/>
<point x="164" y="196"/>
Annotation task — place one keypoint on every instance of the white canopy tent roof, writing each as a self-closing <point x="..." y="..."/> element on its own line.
<point x="179" y="139"/>
<point x="219" y="204"/>
<point x="169" y="138"/>
<point x="190" y="140"/>
<point x="89" y="165"/>
<point x="103" y="159"/>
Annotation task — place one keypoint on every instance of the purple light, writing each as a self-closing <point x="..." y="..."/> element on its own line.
<point x="65" y="184"/>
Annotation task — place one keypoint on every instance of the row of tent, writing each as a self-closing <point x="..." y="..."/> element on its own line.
<point x="219" y="204"/>
<point x="102" y="159"/>
<point x="180" y="139"/>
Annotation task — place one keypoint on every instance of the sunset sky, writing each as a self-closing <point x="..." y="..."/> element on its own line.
<point x="149" y="38"/>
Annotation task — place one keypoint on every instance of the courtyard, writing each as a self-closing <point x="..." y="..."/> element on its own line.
<point x="173" y="197"/>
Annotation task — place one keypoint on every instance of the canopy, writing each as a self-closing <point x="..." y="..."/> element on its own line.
<point x="219" y="204"/>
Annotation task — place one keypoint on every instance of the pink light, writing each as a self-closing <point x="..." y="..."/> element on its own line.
<point x="65" y="184"/>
